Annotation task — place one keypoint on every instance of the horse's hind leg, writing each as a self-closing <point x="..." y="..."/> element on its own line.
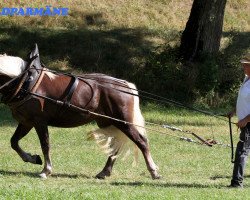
<point x="20" y="132"/>
<point x="102" y="137"/>
<point x="107" y="168"/>
<point x="43" y="134"/>
<point x="142" y="143"/>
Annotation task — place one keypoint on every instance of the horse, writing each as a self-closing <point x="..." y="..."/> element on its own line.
<point x="96" y="93"/>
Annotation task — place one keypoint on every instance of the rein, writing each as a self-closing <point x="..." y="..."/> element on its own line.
<point x="76" y="108"/>
<point x="12" y="80"/>
<point x="7" y="99"/>
<point x="82" y="78"/>
<point x="150" y="97"/>
<point x="189" y="132"/>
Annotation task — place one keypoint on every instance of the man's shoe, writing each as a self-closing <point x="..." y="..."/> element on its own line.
<point x="235" y="186"/>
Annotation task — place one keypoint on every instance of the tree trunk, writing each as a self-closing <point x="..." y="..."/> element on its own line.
<point x="203" y="30"/>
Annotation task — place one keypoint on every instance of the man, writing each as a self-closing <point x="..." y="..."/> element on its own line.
<point x="243" y="114"/>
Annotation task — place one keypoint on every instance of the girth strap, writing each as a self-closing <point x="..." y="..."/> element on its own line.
<point x="72" y="86"/>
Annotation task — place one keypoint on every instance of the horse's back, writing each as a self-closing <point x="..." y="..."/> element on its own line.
<point x="103" y="78"/>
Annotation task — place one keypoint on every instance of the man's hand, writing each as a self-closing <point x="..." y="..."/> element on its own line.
<point x="231" y="114"/>
<point x="242" y="123"/>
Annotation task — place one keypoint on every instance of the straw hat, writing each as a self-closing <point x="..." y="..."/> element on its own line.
<point x="246" y="59"/>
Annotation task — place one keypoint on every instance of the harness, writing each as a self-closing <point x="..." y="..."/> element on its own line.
<point x="19" y="88"/>
<point x="24" y="88"/>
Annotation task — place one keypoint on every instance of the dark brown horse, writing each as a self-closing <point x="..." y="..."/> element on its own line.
<point x="94" y="92"/>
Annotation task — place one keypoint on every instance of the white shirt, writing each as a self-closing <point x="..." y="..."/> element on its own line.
<point x="243" y="100"/>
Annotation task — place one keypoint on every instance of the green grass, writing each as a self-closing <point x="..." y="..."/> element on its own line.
<point x="189" y="171"/>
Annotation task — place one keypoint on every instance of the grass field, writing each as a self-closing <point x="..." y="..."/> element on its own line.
<point x="189" y="170"/>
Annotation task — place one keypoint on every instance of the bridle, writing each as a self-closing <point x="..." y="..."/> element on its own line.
<point x="20" y="79"/>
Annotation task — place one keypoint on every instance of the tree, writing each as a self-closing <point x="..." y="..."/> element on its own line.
<point x="203" y="30"/>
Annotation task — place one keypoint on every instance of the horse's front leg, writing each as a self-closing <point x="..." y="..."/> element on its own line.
<point x="21" y="131"/>
<point x="43" y="134"/>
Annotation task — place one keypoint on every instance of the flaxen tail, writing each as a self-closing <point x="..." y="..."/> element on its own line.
<point x="113" y="141"/>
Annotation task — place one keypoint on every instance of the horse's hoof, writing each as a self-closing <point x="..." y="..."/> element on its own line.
<point x="98" y="176"/>
<point x="43" y="176"/>
<point x="101" y="175"/>
<point x="156" y="177"/>
<point x="38" y="160"/>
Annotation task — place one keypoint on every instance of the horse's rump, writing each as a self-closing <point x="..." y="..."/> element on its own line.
<point x="112" y="140"/>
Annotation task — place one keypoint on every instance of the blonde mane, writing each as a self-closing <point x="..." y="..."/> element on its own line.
<point x="11" y="66"/>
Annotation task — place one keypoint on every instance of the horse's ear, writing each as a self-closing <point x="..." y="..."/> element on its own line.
<point x="34" y="58"/>
<point x="34" y="52"/>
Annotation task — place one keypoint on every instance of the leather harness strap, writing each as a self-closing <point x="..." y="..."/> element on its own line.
<point x="29" y="80"/>
<point x="18" y="87"/>
<point x="39" y="80"/>
<point x="73" y="85"/>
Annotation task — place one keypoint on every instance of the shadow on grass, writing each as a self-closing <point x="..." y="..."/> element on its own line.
<point x="118" y="52"/>
<point x="35" y="175"/>
<point x="132" y="184"/>
<point x="166" y="185"/>
<point x="225" y="177"/>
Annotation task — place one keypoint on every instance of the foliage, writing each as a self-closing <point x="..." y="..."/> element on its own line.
<point x="179" y="80"/>
<point x="165" y="75"/>
<point x="212" y="80"/>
